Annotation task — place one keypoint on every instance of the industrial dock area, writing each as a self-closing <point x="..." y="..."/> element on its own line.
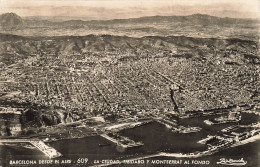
<point x="40" y="145"/>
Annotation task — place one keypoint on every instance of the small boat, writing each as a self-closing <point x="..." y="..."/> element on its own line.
<point x="103" y="145"/>
<point x="191" y="129"/>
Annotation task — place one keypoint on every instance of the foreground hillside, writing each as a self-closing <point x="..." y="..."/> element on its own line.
<point x="67" y="78"/>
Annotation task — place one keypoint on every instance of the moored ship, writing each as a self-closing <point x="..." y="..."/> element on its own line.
<point x="232" y="117"/>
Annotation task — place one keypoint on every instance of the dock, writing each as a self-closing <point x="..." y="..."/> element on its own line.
<point x="167" y="123"/>
<point x="230" y="128"/>
<point x="47" y="150"/>
<point x="127" y="125"/>
<point x="109" y="138"/>
<point x="130" y="144"/>
<point x="203" y="141"/>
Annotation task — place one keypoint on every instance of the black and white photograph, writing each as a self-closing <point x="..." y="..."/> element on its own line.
<point x="129" y="83"/>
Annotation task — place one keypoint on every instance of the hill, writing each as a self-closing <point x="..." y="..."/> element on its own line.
<point x="10" y="21"/>
<point x="110" y="43"/>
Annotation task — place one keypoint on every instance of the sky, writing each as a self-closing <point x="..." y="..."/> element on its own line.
<point x="117" y="9"/>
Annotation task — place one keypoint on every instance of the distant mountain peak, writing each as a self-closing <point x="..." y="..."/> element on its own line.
<point x="200" y="14"/>
<point x="10" y="21"/>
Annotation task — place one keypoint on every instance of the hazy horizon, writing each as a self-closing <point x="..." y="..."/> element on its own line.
<point x="122" y="9"/>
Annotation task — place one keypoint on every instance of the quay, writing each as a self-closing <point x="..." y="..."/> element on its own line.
<point x="109" y="138"/>
<point x="127" y="125"/>
<point x="167" y="123"/>
<point x="173" y="125"/>
<point x="47" y="150"/>
<point x="128" y="145"/>
<point x="203" y="141"/>
<point x="4" y="110"/>
<point x="230" y="128"/>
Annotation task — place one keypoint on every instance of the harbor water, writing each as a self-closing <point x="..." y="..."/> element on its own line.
<point x="155" y="136"/>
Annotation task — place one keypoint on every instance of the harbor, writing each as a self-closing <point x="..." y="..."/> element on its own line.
<point x="138" y="141"/>
<point x="227" y="144"/>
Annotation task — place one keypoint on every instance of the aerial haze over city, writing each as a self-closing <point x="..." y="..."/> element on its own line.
<point x="129" y="83"/>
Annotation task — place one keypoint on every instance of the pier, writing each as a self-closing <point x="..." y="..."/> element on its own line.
<point x="230" y="128"/>
<point x="203" y="141"/>
<point x="167" y="123"/>
<point x="47" y="150"/>
<point x="127" y="125"/>
<point x="129" y="143"/>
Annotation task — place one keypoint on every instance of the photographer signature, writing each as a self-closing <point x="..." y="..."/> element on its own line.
<point x="239" y="162"/>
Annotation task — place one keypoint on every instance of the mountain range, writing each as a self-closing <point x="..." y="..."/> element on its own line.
<point x="195" y="25"/>
<point x="13" y="19"/>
